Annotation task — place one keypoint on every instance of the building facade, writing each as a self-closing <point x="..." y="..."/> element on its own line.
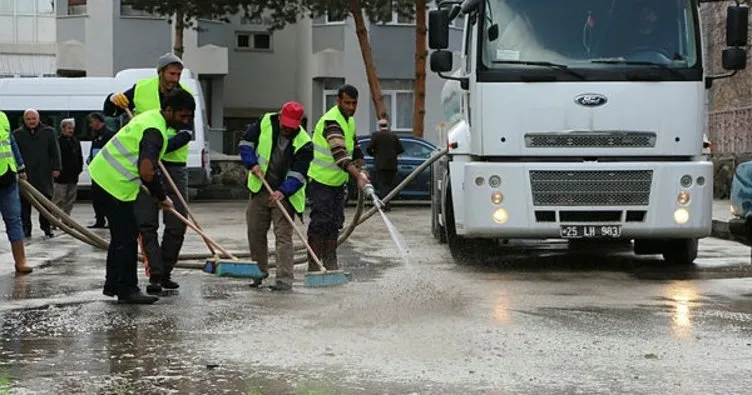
<point x="245" y="70"/>
<point x="27" y="38"/>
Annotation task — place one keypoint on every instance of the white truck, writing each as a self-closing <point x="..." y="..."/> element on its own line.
<point x="59" y="98"/>
<point x="577" y="120"/>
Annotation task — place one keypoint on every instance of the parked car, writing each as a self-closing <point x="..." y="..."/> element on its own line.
<point x="416" y="152"/>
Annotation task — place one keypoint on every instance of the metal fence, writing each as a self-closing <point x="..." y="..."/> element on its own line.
<point x="729" y="130"/>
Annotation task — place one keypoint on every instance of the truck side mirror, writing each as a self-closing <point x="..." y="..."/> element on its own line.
<point x="438" y="29"/>
<point x="737" y="20"/>
<point x="441" y="61"/>
<point x="734" y="58"/>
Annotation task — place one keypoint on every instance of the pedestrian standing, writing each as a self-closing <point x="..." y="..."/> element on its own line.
<point x="385" y="147"/>
<point x="126" y="161"/>
<point x="145" y="95"/>
<point x="41" y="154"/>
<point x="335" y="149"/>
<point x="279" y="150"/>
<point x="11" y="167"/>
<point x="101" y="134"/>
<point x="66" y="183"/>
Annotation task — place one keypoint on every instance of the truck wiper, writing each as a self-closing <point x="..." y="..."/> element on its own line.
<point x="640" y="63"/>
<point x="556" y="66"/>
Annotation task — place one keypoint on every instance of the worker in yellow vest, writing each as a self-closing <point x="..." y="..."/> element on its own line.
<point x="145" y="95"/>
<point x="335" y="150"/>
<point x="127" y="161"/>
<point x="279" y="150"/>
<point x="12" y="166"/>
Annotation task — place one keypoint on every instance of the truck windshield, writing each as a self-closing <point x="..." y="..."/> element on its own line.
<point x="589" y="34"/>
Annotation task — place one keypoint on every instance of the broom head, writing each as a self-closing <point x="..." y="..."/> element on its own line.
<point x="240" y="269"/>
<point x="328" y="278"/>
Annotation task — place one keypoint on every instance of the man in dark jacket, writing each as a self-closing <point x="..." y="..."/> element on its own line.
<point x="66" y="184"/>
<point x="385" y="147"/>
<point x="41" y="154"/>
<point x="102" y="134"/>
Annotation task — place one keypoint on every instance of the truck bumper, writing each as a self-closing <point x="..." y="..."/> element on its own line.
<point x="537" y="199"/>
<point x="197" y="177"/>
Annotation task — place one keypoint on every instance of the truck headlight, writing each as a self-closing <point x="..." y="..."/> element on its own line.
<point x="497" y="198"/>
<point x="681" y="216"/>
<point x="683" y="198"/>
<point x="500" y="216"/>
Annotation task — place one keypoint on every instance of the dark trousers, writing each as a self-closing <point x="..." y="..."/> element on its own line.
<point x="327" y="217"/>
<point x="44" y="224"/>
<point x="97" y="195"/>
<point x="122" y="256"/>
<point x="385" y="181"/>
<point x="163" y="256"/>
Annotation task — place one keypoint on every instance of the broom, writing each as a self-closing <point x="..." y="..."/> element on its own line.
<point x="233" y="268"/>
<point x="323" y="278"/>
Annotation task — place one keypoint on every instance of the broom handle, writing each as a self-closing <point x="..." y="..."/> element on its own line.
<point x="184" y="203"/>
<point x="200" y="232"/>
<point x="178" y="193"/>
<point x="297" y="230"/>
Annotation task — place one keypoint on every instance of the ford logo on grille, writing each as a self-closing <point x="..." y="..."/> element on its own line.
<point x="590" y="100"/>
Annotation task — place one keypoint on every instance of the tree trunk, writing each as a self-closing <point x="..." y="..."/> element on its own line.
<point x="365" y="50"/>
<point x="419" y="111"/>
<point x="179" y="27"/>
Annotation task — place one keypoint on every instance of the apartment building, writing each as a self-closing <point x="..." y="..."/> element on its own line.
<point x="245" y="70"/>
<point x="27" y="38"/>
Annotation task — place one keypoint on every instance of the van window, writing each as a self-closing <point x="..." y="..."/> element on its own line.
<point x="53" y="118"/>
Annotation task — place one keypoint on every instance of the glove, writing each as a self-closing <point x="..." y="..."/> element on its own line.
<point x="120" y="100"/>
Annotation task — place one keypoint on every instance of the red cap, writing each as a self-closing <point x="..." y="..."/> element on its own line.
<point x="291" y="115"/>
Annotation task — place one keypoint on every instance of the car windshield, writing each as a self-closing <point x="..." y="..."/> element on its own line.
<point x="589" y="33"/>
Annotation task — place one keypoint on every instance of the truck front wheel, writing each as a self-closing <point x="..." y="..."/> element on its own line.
<point x="463" y="250"/>
<point x="681" y="252"/>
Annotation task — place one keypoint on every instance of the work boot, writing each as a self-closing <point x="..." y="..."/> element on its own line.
<point x="154" y="287"/>
<point x="257" y="281"/>
<point x="98" y="225"/>
<point x="330" y="257"/>
<point x="318" y="247"/>
<point x="19" y="256"/>
<point x="108" y="291"/>
<point x="169" y="284"/>
<point x="137" y="298"/>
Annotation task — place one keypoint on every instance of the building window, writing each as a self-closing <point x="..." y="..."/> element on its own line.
<point x="76" y="7"/>
<point x="399" y="109"/>
<point x="335" y="16"/>
<point x="390" y="16"/>
<point x="256" y="41"/>
<point x="128" y="10"/>
<point x="330" y="99"/>
<point x="27" y="21"/>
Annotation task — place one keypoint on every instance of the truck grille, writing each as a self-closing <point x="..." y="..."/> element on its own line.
<point x="590" y="140"/>
<point x="591" y="188"/>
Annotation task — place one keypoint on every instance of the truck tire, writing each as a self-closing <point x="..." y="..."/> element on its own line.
<point x="464" y="250"/>
<point x="681" y="252"/>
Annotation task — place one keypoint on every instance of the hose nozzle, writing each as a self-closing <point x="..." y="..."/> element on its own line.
<point x="370" y="191"/>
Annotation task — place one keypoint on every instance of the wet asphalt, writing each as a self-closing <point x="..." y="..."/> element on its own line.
<point x="538" y="317"/>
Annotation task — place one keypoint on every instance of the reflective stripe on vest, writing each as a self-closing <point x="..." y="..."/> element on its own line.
<point x="264" y="153"/>
<point x="324" y="168"/>
<point x="115" y="168"/>
<point x="7" y="160"/>
<point x="146" y="97"/>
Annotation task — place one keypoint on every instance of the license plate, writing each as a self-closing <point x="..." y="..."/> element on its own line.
<point x="590" y="231"/>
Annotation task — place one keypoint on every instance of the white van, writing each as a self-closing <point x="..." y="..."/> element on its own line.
<point x="60" y="98"/>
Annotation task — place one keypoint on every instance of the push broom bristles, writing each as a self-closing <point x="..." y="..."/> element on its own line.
<point x="240" y="269"/>
<point x="328" y="278"/>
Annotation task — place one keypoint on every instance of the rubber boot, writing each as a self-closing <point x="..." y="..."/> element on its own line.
<point x="318" y="246"/>
<point x="155" y="286"/>
<point x="330" y="257"/>
<point x="19" y="256"/>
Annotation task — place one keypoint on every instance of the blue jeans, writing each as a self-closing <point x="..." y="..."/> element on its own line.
<point x="10" y="207"/>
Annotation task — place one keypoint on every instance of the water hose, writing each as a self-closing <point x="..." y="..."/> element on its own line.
<point x="67" y="224"/>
